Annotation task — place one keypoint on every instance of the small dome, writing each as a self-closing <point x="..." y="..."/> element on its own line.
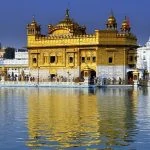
<point x="68" y="24"/>
<point x="33" y="28"/>
<point x="67" y="20"/>
<point x="34" y="23"/>
<point x="111" y="20"/>
<point x="125" y="25"/>
<point x="148" y="43"/>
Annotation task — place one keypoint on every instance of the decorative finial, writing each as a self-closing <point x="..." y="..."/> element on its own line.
<point x="127" y="20"/>
<point x="33" y="18"/>
<point x="111" y="13"/>
<point x="68" y="5"/>
<point x="67" y="13"/>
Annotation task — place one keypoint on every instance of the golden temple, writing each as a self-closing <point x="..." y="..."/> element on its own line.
<point x="67" y="50"/>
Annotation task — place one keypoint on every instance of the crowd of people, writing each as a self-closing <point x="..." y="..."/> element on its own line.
<point x="56" y="78"/>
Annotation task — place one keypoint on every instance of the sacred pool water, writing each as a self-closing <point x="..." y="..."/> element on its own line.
<point x="56" y="118"/>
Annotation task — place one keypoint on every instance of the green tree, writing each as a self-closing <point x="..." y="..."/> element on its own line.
<point x="9" y="53"/>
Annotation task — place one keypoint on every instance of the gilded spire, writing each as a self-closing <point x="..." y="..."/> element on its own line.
<point x="67" y="13"/>
<point x="111" y="22"/>
<point x="33" y="19"/>
<point x="125" y="25"/>
<point x="111" y="13"/>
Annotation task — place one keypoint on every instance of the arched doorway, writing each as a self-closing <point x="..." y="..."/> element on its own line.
<point x="91" y="75"/>
<point x="82" y="76"/>
<point x="130" y="77"/>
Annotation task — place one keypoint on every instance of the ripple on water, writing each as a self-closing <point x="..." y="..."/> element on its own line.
<point x="45" y="118"/>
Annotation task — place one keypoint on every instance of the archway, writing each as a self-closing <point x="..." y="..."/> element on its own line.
<point x="130" y="77"/>
<point x="82" y="76"/>
<point x="92" y="75"/>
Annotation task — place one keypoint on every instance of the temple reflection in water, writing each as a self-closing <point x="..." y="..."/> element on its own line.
<point x="62" y="118"/>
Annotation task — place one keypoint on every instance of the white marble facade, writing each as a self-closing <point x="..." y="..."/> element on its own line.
<point x="111" y="72"/>
<point x="143" y="58"/>
<point x="44" y="74"/>
<point x="18" y="65"/>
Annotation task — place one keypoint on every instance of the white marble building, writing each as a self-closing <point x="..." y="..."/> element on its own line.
<point x="18" y="65"/>
<point x="143" y="59"/>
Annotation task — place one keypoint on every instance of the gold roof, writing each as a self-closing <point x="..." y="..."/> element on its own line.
<point x="69" y="24"/>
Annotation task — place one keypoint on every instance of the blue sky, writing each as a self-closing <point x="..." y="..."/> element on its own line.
<point x="16" y="14"/>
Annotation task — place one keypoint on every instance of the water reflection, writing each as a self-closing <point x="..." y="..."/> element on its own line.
<point x="67" y="117"/>
<point x="61" y="118"/>
<point x="118" y="115"/>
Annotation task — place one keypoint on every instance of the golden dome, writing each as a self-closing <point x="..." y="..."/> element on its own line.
<point x="111" y="20"/>
<point x="67" y="20"/>
<point x="125" y="25"/>
<point x="69" y="24"/>
<point x="33" y="28"/>
<point x="34" y="23"/>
